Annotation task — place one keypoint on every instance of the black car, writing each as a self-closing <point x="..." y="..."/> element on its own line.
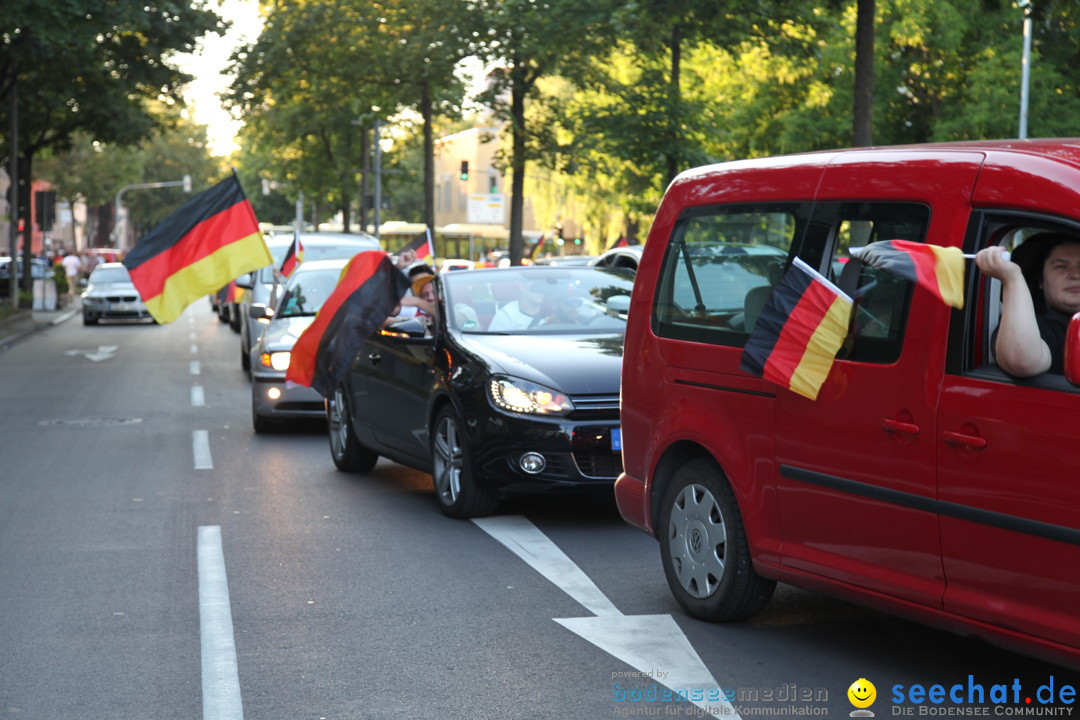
<point x="512" y="388"/>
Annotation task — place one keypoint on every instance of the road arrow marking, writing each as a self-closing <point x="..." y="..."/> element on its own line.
<point x="651" y="644"/>
<point x="104" y="352"/>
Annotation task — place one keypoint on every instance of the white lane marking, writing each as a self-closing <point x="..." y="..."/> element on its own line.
<point x="104" y="352"/>
<point x="200" y="445"/>
<point x="526" y="541"/>
<point x="194" y="368"/>
<point x="198" y="397"/>
<point x="191" y="335"/>
<point x="194" y="348"/>
<point x="652" y="644"/>
<point x="220" y="676"/>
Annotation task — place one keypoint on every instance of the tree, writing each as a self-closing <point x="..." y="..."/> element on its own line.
<point x="85" y="66"/>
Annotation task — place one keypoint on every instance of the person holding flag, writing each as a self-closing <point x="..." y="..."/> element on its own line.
<point x="1040" y="292"/>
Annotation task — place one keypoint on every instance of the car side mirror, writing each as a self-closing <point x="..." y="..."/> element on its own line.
<point x="245" y="281"/>
<point x="412" y="328"/>
<point x="1072" y="351"/>
<point x="258" y="311"/>
<point x="618" y="305"/>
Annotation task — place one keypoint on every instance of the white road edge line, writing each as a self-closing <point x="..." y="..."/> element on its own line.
<point x="220" y="676"/>
<point x="200" y="446"/>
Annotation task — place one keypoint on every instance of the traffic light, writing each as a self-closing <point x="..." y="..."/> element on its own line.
<point x="44" y="209"/>
<point x="464" y="169"/>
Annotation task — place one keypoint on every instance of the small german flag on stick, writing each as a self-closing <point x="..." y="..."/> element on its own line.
<point x="293" y="256"/>
<point x="209" y="241"/>
<point x="800" y="330"/>
<point x="938" y="269"/>
<point x="369" y="289"/>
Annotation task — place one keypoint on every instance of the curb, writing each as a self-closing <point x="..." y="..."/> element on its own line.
<point x="21" y="325"/>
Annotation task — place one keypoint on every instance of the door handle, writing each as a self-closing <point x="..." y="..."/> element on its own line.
<point x="961" y="440"/>
<point x="375" y="358"/>
<point x="900" y="428"/>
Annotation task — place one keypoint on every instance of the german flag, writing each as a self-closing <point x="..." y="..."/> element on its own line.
<point x="423" y="245"/>
<point x="369" y="289"/>
<point x="210" y="240"/>
<point x="293" y="256"/>
<point x="799" y="331"/>
<point x="938" y="269"/>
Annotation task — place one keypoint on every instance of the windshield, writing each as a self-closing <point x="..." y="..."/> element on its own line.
<point x="113" y="274"/>
<point x="538" y="300"/>
<point x="307" y="291"/>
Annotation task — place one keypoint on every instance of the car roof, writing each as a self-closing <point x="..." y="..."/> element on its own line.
<point x="1065" y="150"/>
<point x="313" y="239"/>
<point x="106" y="266"/>
<point x="315" y="265"/>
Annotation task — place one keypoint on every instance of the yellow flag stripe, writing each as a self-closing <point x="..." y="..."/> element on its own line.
<point x="949" y="270"/>
<point x="821" y="350"/>
<point x="208" y="275"/>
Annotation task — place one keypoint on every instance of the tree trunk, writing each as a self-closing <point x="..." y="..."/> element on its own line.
<point x="863" y="112"/>
<point x="676" y="99"/>
<point x="517" y="193"/>
<point x="365" y="182"/>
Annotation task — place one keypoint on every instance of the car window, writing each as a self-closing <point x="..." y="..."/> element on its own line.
<point x="718" y="269"/>
<point x="307" y="291"/>
<point x="110" y="275"/>
<point x="881" y="297"/>
<point x="538" y="301"/>
<point x="974" y="344"/>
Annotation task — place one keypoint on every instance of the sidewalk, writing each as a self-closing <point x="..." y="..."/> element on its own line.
<point x="27" y="322"/>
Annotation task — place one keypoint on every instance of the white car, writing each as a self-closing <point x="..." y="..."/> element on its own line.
<point x="110" y="295"/>
<point x="274" y="401"/>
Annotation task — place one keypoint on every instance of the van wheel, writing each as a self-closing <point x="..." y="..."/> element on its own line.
<point x="704" y="548"/>
<point x="452" y="471"/>
<point x="345" y="450"/>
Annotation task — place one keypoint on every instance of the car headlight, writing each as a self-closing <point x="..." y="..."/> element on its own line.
<point x="522" y="396"/>
<point x="276" y="360"/>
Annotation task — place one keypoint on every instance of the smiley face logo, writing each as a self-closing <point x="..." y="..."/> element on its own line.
<point x="862" y="693"/>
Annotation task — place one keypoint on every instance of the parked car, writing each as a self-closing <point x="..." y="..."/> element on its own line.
<point x="39" y="269"/>
<point x="274" y="401"/>
<point x="923" y="480"/>
<point x="110" y="295"/>
<point x="258" y="286"/>
<point x="621" y="257"/>
<point x="489" y="407"/>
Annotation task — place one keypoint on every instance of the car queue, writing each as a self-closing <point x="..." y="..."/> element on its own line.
<point x="923" y="481"/>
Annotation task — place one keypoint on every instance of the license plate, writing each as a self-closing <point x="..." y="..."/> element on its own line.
<point x="616" y="440"/>
<point x="120" y="306"/>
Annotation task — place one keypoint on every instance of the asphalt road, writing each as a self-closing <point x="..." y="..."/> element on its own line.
<point x="160" y="560"/>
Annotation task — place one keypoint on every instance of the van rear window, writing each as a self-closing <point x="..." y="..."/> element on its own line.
<point x="718" y="271"/>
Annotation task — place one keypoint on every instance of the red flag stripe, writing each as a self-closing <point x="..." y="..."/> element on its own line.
<point x="808" y="313"/>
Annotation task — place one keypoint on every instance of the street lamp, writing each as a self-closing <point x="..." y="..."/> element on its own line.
<point x="1025" y="68"/>
<point x="185" y="183"/>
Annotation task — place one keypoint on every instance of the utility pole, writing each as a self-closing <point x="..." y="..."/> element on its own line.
<point x="13" y="207"/>
<point x="1025" y="69"/>
<point x="378" y="176"/>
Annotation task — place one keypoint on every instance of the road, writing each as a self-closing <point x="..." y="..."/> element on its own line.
<point x="160" y="560"/>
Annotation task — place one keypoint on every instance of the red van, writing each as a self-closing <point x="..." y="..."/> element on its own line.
<point x="923" y="480"/>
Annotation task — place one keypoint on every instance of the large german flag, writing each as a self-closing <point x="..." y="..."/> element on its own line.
<point x="799" y="331"/>
<point x="938" y="269"/>
<point x="369" y="289"/>
<point x="210" y="240"/>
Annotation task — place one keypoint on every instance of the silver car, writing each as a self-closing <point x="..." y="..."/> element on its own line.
<point x="272" y="400"/>
<point x="109" y="295"/>
<point x="258" y="286"/>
